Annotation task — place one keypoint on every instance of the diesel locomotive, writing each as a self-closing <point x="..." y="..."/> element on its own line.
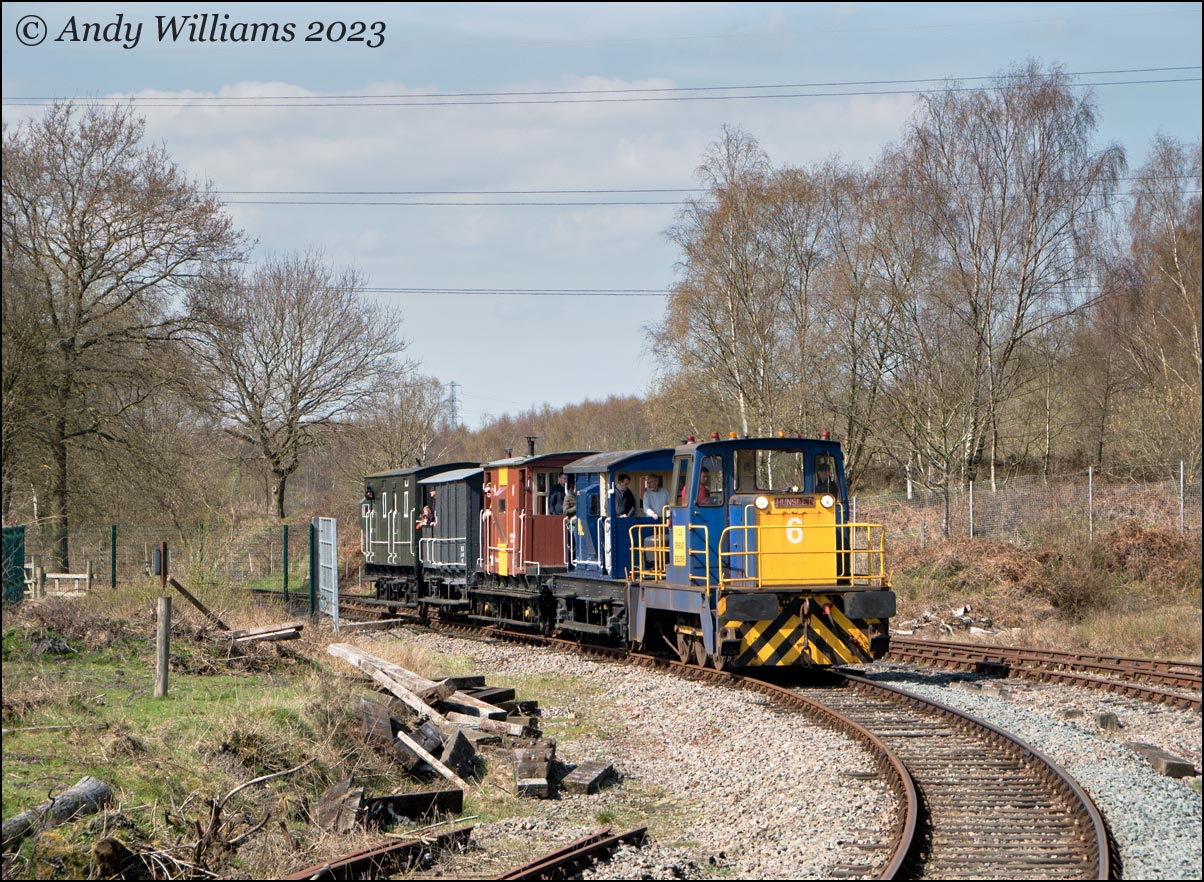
<point x="753" y="561"/>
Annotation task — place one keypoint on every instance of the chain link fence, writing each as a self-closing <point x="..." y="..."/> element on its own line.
<point x="1028" y="510"/>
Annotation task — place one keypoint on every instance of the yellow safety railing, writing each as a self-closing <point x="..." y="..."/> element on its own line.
<point x="864" y="558"/>
<point x="652" y="540"/>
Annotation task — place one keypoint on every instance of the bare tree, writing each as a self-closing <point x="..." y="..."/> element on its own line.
<point x="102" y="236"/>
<point x="293" y="346"/>
<point x="1009" y="181"/>
<point x="722" y="321"/>
<point x="1165" y="302"/>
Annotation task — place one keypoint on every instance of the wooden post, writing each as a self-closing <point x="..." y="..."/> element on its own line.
<point x="88" y="579"/>
<point x="163" y="643"/>
<point x="40" y="590"/>
<point x="113" y="556"/>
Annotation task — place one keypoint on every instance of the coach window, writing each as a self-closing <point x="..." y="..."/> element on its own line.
<point x="541" y="492"/>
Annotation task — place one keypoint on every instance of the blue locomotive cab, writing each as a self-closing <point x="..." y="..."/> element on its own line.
<point x="759" y="562"/>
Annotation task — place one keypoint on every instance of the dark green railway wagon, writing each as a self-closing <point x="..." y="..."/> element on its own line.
<point x="389" y="512"/>
<point x="450" y="548"/>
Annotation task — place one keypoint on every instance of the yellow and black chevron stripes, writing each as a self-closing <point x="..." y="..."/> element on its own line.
<point x="797" y="638"/>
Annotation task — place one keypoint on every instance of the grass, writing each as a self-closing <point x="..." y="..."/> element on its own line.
<point x="89" y="661"/>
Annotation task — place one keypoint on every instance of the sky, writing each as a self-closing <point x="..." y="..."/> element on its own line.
<point x="446" y="126"/>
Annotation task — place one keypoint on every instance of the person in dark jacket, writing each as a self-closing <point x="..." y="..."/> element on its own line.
<point x="624" y="498"/>
<point x="556" y="497"/>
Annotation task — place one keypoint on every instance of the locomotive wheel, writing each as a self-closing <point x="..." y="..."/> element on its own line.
<point x="700" y="652"/>
<point x="719" y="662"/>
<point x="685" y="647"/>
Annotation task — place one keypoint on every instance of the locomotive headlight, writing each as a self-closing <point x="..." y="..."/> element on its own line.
<point x="762" y="503"/>
<point x="827" y="501"/>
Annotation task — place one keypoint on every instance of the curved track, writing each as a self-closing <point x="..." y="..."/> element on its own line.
<point x="974" y="802"/>
<point x="991" y="806"/>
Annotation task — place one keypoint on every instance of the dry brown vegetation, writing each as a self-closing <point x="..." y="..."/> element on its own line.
<point x="1135" y="591"/>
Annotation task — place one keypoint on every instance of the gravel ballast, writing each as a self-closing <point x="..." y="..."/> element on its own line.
<point x="723" y="781"/>
<point x="728" y="785"/>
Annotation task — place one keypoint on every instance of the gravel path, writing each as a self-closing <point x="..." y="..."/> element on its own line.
<point x="1156" y="820"/>
<point x="724" y="782"/>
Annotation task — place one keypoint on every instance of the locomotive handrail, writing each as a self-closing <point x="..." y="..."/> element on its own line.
<point x="659" y="549"/>
<point x="872" y="552"/>
<point x="429" y="543"/>
<point x="486" y="515"/>
<point x="704" y="551"/>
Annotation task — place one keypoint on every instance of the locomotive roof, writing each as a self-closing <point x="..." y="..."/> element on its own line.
<point x="601" y="462"/>
<point x="454" y="475"/>
<point x="422" y="471"/>
<point x="561" y="456"/>
<point x="757" y="444"/>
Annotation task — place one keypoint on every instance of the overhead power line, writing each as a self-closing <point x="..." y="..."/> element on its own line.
<point x="625" y="95"/>
<point x="601" y="191"/>
<point x="529" y="203"/>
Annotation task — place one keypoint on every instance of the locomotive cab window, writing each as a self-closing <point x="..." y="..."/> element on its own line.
<point x="710" y="481"/>
<point x="679" y="483"/>
<point x="769" y="470"/>
<point x="824" y="475"/>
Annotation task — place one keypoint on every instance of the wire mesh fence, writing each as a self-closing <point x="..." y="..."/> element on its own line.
<point x="254" y="557"/>
<point x="1026" y="510"/>
<point x="1029" y="509"/>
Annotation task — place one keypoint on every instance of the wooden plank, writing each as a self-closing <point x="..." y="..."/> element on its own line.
<point x="377" y="625"/>
<point x="268" y="638"/>
<point x="415" y="703"/>
<point x="531" y="771"/>
<point x="88" y="796"/>
<point x="385" y="811"/>
<point x="503" y="727"/>
<point x="464" y="703"/>
<point x="588" y="777"/>
<point x="434" y="763"/>
<point x="266" y="629"/>
<point x="340" y="806"/>
<point x="188" y="596"/>
<point x="471" y="681"/>
<point x="441" y="690"/>
<point x="494" y="694"/>
<point x="459" y="755"/>
<point x="411" y="682"/>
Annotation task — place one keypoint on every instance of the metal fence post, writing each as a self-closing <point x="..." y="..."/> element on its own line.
<point x="285" y="563"/>
<point x="971" y="509"/>
<point x="113" y="556"/>
<point x="1182" y="493"/>
<point x="1090" y="503"/>
<point x="313" y="570"/>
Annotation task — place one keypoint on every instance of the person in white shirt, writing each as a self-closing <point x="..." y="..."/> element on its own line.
<point x="656" y="497"/>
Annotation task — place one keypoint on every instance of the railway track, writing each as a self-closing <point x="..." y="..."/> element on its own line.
<point x="1136" y="678"/>
<point x="973" y="801"/>
<point x="990" y="806"/>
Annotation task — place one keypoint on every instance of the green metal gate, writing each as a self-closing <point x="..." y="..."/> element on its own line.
<point x="14" y="564"/>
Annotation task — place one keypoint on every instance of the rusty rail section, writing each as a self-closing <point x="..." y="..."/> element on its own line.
<point x="384" y="860"/>
<point x="573" y="858"/>
<point x="1062" y="667"/>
